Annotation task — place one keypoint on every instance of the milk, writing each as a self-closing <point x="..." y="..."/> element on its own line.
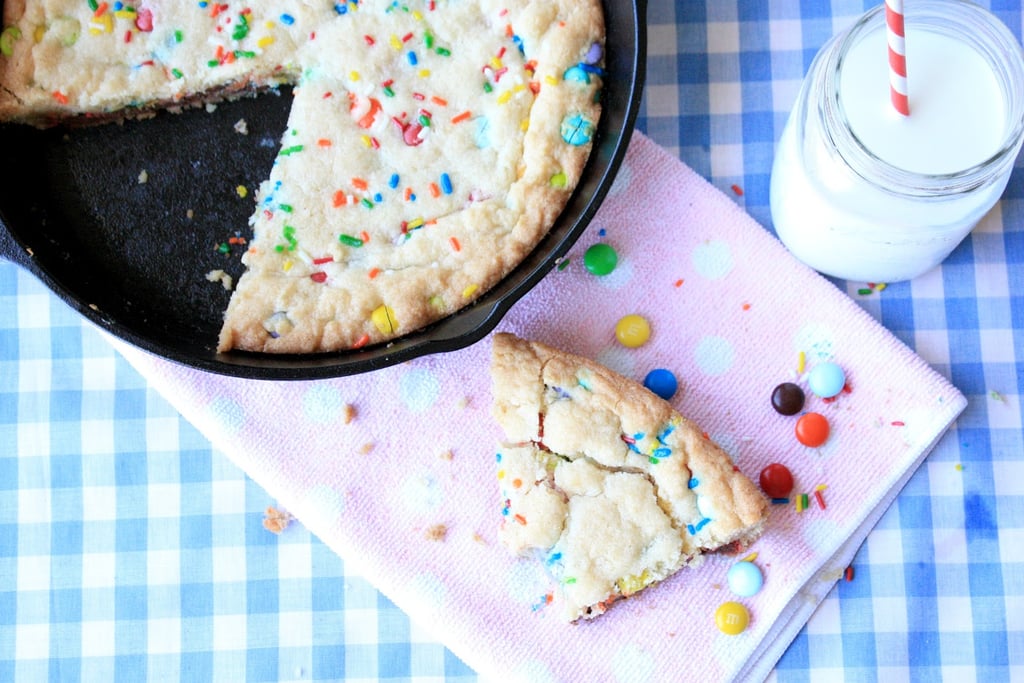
<point x="958" y="114"/>
<point x="859" y="191"/>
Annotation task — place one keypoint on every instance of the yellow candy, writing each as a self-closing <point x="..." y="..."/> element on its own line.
<point x="632" y="331"/>
<point x="384" y="318"/>
<point x="631" y="584"/>
<point x="101" y="24"/>
<point x="732" y="618"/>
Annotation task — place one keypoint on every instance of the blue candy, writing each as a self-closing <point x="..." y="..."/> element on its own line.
<point x="826" y="379"/>
<point x="745" y="579"/>
<point x="577" y="130"/>
<point x="662" y="382"/>
<point x="577" y="74"/>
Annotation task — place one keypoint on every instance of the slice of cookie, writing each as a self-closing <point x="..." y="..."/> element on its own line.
<point x="602" y="480"/>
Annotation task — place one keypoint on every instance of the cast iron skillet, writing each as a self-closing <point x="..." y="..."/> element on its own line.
<point x="132" y="256"/>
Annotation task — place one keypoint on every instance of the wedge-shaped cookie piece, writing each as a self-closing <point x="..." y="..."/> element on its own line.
<point x="602" y="480"/>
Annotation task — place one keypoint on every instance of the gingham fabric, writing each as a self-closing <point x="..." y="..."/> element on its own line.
<point x="131" y="550"/>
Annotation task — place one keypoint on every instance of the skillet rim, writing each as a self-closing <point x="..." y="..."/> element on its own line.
<point x="464" y="327"/>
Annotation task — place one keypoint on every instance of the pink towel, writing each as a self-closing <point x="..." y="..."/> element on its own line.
<point x="396" y="470"/>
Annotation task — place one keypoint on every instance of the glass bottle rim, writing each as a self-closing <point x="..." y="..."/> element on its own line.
<point x="991" y="38"/>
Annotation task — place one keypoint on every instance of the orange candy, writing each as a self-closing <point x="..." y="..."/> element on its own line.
<point x="812" y="429"/>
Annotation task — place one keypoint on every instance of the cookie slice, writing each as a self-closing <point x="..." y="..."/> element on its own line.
<point x="603" y="481"/>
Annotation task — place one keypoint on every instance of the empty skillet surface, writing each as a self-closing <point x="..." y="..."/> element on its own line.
<point x="124" y="221"/>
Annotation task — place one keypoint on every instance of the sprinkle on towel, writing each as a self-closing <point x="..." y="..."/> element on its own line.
<point x="818" y="497"/>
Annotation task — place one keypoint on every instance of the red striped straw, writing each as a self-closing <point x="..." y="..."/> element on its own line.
<point x="897" y="56"/>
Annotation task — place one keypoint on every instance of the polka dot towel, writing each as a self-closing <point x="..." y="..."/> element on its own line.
<point x="396" y="470"/>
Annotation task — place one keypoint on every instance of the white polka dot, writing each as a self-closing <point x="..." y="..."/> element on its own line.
<point x="535" y="671"/>
<point x="815" y="340"/>
<point x="633" y="663"/>
<point x="618" y="278"/>
<point x="714" y="355"/>
<point x="712" y="259"/>
<point x="421" y="492"/>
<point x="322" y="403"/>
<point x="916" y="430"/>
<point x="526" y="582"/>
<point x="728" y="443"/>
<point x="419" y="389"/>
<point x="723" y="647"/>
<point x="619" y="359"/>
<point x="228" y="412"/>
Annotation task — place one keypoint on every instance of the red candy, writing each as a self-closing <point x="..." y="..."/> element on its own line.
<point x="776" y="480"/>
<point x="812" y="429"/>
<point x="144" y="20"/>
<point x="411" y="134"/>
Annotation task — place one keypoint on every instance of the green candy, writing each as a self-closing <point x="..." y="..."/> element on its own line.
<point x="600" y="259"/>
<point x="7" y="38"/>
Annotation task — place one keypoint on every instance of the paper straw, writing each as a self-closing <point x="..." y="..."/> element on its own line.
<point x="897" y="56"/>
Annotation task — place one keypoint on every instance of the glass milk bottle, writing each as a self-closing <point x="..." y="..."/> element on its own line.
<point x="861" y="192"/>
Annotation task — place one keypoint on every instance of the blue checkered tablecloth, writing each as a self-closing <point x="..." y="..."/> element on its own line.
<point x="131" y="550"/>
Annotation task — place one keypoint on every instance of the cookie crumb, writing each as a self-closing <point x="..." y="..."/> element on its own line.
<point x="477" y="538"/>
<point x="436" y="532"/>
<point x="367" y="448"/>
<point x="220" y="276"/>
<point x="447" y="455"/>
<point x="348" y="413"/>
<point x="143" y="177"/>
<point x="242" y="127"/>
<point x="275" y="520"/>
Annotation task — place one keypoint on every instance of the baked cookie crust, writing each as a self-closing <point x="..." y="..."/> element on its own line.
<point x="430" y="145"/>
